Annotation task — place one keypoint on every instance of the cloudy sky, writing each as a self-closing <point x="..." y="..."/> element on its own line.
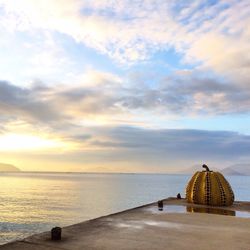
<point x="124" y="85"/>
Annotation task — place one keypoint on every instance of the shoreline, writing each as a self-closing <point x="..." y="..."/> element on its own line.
<point x="145" y="227"/>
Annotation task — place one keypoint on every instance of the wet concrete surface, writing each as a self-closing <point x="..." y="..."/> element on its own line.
<point x="178" y="226"/>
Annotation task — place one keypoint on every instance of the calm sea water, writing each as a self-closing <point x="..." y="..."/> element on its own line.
<point x="32" y="203"/>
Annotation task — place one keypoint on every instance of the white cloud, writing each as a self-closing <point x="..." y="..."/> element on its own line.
<point x="216" y="35"/>
<point x="125" y="31"/>
<point x="104" y="98"/>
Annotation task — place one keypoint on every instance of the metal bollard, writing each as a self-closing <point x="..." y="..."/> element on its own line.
<point x="56" y="233"/>
<point x="160" y="205"/>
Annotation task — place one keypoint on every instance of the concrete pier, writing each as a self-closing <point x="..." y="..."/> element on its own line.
<point x="177" y="226"/>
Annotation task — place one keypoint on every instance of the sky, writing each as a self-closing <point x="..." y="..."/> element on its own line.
<point x="124" y="86"/>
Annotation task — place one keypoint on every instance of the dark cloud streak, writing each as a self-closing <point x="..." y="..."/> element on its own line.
<point x="183" y="95"/>
<point x="24" y="103"/>
<point x="159" y="150"/>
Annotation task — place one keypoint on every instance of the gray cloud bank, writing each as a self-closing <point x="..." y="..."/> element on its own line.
<point x="24" y="103"/>
<point x="172" y="144"/>
<point x="179" y="94"/>
<point x="133" y="149"/>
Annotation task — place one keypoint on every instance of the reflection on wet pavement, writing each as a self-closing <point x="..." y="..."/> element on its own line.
<point x="193" y="209"/>
<point x="210" y="210"/>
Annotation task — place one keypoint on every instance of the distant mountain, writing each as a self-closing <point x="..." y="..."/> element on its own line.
<point x="193" y="169"/>
<point x="243" y="169"/>
<point x="237" y="169"/>
<point x="8" y="168"/>
<point x="230" y="171"/>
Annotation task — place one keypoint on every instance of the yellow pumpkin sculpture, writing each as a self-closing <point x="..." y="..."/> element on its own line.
<point x="209" y="188"/>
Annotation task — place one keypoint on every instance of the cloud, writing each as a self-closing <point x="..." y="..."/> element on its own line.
<point x="203" y="95"/>
<point x="165" y="149"/>
<point x="87" y="22"/>
<point x="64" y="111"/>
<point x="115" y="29"/>
<point x="134" y="149"/>
<point x="212" y="37"/>
<point x="43" y="103"/>
<point x="227" y="56"/>
<point x="17" y="102"/>
<point x="175" y="143"/>
<point x="220" y="38"/>
<point x="105" y="98"/>
<point x="190" y="93"/>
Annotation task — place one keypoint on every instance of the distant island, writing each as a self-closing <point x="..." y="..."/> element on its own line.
<point x="232" y="171"/>
<point x="4" y="167"/>
<point x="237" y="169"/>
<point x="243" y="169"/>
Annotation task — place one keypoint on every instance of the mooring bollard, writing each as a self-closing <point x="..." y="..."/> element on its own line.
<point x="178" y="196"/>
<point x="160" y="205"/>
<point x="56" y="233"/>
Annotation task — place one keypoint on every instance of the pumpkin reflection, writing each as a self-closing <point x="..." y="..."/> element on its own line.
<point x="210" y="210"/>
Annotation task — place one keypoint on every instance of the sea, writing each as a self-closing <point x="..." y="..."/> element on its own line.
<point x="35" y="202"/>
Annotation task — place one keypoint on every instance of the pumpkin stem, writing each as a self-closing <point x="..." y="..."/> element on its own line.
<point x="206" y="167"/>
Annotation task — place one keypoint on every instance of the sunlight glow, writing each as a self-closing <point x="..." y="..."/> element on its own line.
<point x="14" y="142"/>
